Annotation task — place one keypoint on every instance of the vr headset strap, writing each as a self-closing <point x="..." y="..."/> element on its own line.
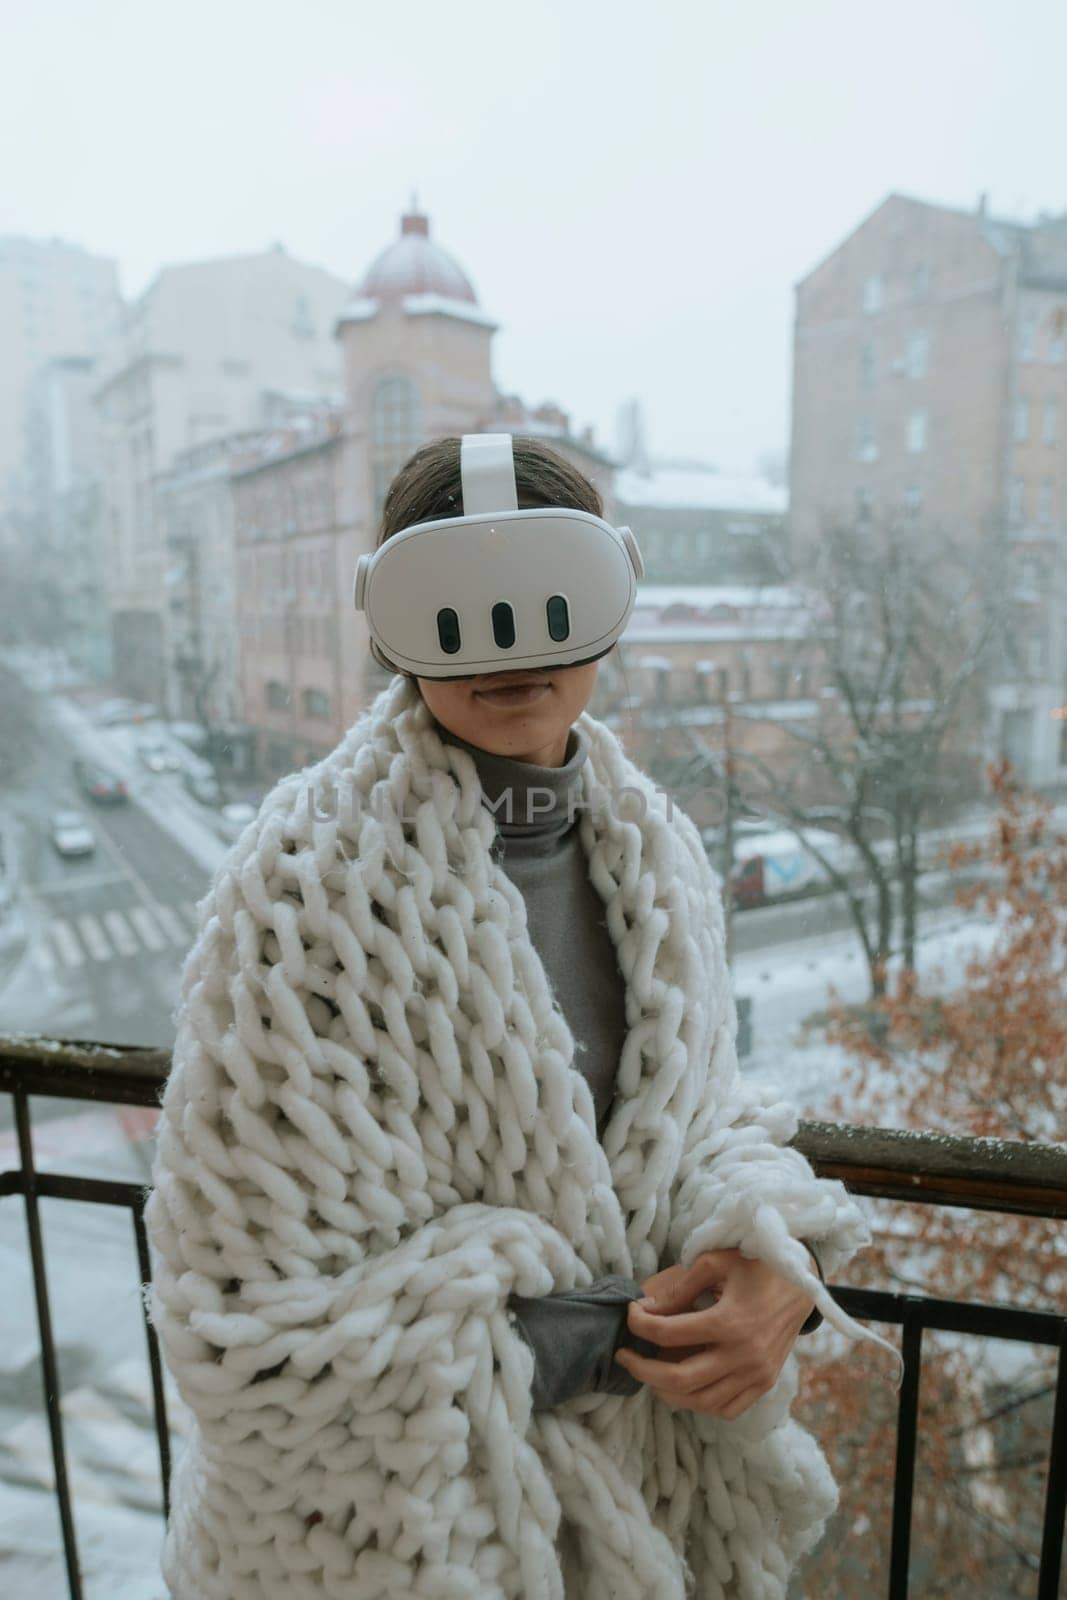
<point x="487" y="467"/>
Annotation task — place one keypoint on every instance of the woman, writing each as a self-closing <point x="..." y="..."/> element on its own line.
<point x="452" y="1086"/>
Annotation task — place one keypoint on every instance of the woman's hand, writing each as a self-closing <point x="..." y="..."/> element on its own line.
<point x="719" y="1360"/>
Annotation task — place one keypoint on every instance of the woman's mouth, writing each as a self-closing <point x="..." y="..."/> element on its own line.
<point x="514" y="692"/>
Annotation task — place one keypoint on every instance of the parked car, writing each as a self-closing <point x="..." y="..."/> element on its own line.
<point x="96" y="781"/>
<point x="114" y="712"/>
<point x="194" y="734"/>
<point x="72" y="835"/>
<point x="203" y="786"/>
<point x="235" y="817"/>
<point x="157" y="755"/>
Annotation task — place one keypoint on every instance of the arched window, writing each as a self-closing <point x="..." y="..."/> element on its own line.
<point x="395" y="432"/>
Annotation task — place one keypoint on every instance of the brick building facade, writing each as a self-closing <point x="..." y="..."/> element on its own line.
<point x="930" y="382"/>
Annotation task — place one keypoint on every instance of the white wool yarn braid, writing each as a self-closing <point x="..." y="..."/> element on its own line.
<point x="373" y="1134"/>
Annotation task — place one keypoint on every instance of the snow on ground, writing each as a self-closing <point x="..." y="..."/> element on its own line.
<point x="790" y="983"/>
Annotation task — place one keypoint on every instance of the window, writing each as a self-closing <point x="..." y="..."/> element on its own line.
<point x="1022" y="420"/>
<point x="915" y="358"/>
<point x="864" y="506"/>
<point x="868" y="365"/>
<point x="1050" y="421"/>
<point x="917" y="432"/>
<point x="1016" y="500"/>
<point x="395" y="432"/>
<point x="920" y="281"/>
<point x="316" y="704"/>
<point x="1044" y="502"/>
<point x="913" y="500"/>
<point x="874" y="293"/>
<point x="303" y="324"/>
<point x="780" y="669"/>
<point x="277" y="695"/>
<point x="1027" y="335"/>
<point x="865" y="444"/>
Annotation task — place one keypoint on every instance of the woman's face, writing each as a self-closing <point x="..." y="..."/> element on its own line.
<point x="525" y="714"/>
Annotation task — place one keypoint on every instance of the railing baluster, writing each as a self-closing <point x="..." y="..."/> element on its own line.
<point x="998" y="1176"/>
<point x="1048" y="1583"/>
<point x="907" y="1433"/>
<point x="48" y="1350"/>
<point x="159" y="1400"/>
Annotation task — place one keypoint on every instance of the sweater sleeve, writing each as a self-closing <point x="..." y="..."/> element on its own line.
<point x="574" y="1335"/>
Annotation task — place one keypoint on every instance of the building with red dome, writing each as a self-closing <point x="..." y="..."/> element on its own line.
<point x="416" y="354"/>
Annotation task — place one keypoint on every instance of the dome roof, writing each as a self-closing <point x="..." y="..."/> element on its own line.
<point x="413" y="264"/>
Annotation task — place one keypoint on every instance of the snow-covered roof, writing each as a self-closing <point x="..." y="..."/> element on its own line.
<point x="703" y="596"/>
<point x="414" y="264"/>
<point x="416" y="305"/>
<point x="697" y="488"/>
<point x="358" y="309"/>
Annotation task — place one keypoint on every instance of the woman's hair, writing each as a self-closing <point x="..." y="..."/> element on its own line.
<point x="429" y="486"/>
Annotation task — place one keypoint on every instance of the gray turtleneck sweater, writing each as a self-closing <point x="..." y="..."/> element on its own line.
<point x="573" y="1335"/>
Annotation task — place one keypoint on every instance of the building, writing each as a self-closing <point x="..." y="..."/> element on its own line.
<point x="696" y="525"/>
<point x="292" y="559"/>
<point x="416" y="353"/>
<point x="930" y="382"/>
<point x="694" y="654"/>
<point x="210" y="349"/>
<point x="57" y="301"/>
<point x="67" y="574"/>
<point x="196" y="505"/>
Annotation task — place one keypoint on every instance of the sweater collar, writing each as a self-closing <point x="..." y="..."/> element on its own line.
<point x="529" y="801"/>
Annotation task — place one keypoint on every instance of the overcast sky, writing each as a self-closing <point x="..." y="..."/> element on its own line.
<point x="633" y="188"/>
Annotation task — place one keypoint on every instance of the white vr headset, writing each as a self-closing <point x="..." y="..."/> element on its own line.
<point x="498" y="587"/>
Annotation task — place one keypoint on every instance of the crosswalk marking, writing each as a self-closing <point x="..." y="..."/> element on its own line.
<point x="93" y="935"/>
<point x="69" y="949"/>
<point x="142" y="921"/>
<point x="120" y="933"/>
<point x="68" y="942"/>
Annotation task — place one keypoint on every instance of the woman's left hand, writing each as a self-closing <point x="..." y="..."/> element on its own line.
<point x="723" y="1359"/>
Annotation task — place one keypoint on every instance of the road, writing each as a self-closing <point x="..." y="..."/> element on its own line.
<point x="102" y="937"/>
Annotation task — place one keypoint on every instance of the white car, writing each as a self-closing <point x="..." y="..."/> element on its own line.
<point x="202" y="785"/>
<point x="114" y="712"/>
<point x="193" y="734"/>
<point x="157" y="755"/>
<point x="72" y="835"/>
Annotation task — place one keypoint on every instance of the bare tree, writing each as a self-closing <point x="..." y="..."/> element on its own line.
<point x="905" y="630"/>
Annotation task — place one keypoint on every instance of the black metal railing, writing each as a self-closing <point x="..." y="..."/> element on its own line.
<point x="981" y="1174"/>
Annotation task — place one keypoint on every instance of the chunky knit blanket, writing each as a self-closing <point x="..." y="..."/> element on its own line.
<point x="373" y="1134"/>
